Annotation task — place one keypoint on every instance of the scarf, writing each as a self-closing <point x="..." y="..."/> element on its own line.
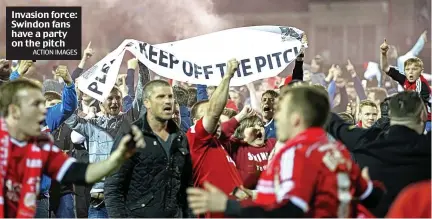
<point x="30" y="182"/>
<point x="415" y="86"/>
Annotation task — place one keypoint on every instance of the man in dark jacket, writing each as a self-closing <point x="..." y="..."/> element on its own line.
<point x="153" y="182"/>
<point x="396" y="156"/>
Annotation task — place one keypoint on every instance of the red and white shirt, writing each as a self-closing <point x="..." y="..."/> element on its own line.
<point x="316" y="175"/>
<point x="54" y="164"/>
<point x="211" y="162"/>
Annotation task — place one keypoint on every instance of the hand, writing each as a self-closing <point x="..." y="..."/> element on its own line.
<point x="24" y="66"/>
<point x="242" y="193"/>
<point x="304" y="42"/>
<point x="63" y="72"/>
<point x="132" y="63"/>
<point x="123" y="88"/>
<point x="88" y="52"/>
<point x="246" y="112"/>
<point x="350" y="68"/>
<point x="232" y="67"/>
<point x="91" y="113"/>
<point x="337" y="72"/>
<point x="5" y="68"/>
<point x="424" y="35"/>
<point x="365" y="173"/>
<point x="384" y="47"/>
<point x="122" y="152"/>
<point x="211" y="199"/>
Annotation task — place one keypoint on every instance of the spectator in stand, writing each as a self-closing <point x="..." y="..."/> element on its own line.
<point x="153" y="182"/>
<point x="368" y="114"/>
<point x="412" y="80"/>
<point x="396" y="156"/>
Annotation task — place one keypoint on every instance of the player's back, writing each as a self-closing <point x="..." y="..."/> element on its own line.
<point x="338" y="182"/>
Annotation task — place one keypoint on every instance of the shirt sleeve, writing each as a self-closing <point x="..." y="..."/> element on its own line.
<point x="297" y="178"/>
<point x="197" y="135"/>
<point x="57" y="162"/>
<point x="397" y="76"/>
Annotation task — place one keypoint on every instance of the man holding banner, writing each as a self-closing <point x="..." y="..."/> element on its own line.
<point x="100" y="133"/>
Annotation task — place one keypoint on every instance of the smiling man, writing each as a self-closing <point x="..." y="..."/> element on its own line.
<point x="100" y="132"/>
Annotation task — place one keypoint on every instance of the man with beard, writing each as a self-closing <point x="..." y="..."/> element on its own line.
<point x="100" y="133"/>
<point x="153" y="182"/>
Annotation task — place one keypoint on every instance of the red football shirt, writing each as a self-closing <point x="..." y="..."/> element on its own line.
<point x="413" y="202"/>
<point x="316" y="175"/>
<point x="250" y="160"/>
<point x="55" y="164"/>
<point x="211" y="162"/>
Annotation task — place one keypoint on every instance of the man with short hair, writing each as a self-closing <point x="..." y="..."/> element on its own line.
<point x="310" y="176"/>
<point x="210" y="160"/>
<point x="368" y="114"/>
<point x="153" y="182"/>
<point x="100" y="133"/>
<point x="26" y="153"/>
<point x="400" y="151"/>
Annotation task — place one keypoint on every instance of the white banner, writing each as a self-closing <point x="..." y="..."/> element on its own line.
<point x="263" y="52"/>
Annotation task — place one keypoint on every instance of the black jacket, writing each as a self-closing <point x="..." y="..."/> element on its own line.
<point x="397" y="156"/>
<point x="151" y="184"/>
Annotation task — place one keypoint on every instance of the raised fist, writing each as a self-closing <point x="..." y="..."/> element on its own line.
<point x="384" y="47"/>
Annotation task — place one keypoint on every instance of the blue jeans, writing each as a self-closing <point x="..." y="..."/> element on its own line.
<point x="97" y="212"/>
<point x="42" y="208"/>
<point x="66" y="208"/>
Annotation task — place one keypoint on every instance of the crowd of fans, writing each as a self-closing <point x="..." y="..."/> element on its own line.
<point x="317" y="143"/>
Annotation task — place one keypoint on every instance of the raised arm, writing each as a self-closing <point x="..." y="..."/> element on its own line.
<point x="357" y="83"/>
<point x="219" y="98"/>
<point x="418" y="47"/>
<point x="384" y="65"/>
<point x="57" y="114"/>
<point x="88" y="52"/>
<point x="143" y="78"/>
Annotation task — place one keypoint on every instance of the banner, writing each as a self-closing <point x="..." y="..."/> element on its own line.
<point x="262" y="51"/>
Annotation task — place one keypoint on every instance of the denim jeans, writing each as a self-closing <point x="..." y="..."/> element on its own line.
<point x="66" y="208"/>
<point x="42" y="208"/>
<point x="97" y="212"/>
